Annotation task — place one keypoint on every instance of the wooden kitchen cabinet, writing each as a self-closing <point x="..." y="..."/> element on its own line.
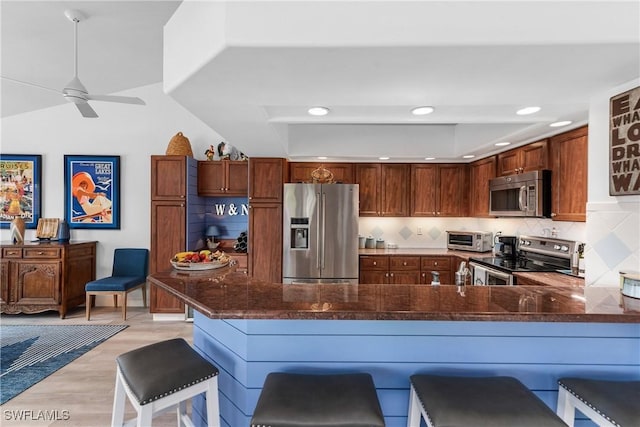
<point x="480" y="172"/>
<point x="266" y="176"/>
<point x="374" y="269"/>
<point x="38" y="277"/>
<point x="223" y="178"/>
<point x="170" y="189"/>
<point x="569" y="175"/>
<point x="530" y="157"/>
<point x="404" y="270"/>
<point x="343" y="173"/>
<point x="439" y="189"/>
<point x="264" y="249"/>
<point x="383" y="189"/>
<point x="441" y="264"/>
<point x="264" y="252"/>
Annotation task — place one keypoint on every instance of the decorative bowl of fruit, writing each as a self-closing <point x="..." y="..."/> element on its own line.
<point x="200" y="260"/>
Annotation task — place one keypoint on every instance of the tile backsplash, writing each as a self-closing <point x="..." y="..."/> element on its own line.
<point x="426" y="232"/>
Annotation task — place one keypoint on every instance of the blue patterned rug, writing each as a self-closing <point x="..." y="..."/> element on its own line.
<point x="31" y="353"/>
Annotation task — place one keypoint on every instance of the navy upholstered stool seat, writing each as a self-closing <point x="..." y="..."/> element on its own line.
<point x="607" y="403"/>
<point x="163" y="376"/>
<point x="129" y="272"/>
<point x="476" y="402"/>
<point x="294" y="400"/>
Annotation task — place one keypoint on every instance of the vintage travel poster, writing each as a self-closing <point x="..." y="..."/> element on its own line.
<point x="20" y="189"/>
<point x="624" y="150"/>
<point x="92" y="191"/>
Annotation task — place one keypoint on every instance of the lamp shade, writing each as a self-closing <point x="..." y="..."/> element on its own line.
<point x="212" y="231"/>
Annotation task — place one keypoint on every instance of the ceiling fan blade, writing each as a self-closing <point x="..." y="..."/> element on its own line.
<point x="112" y="98"/>
<point x="86" y="110"/>
<point x="30" y="84"/>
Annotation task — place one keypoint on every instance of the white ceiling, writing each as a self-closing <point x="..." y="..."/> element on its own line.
<point x="255" y="66"/>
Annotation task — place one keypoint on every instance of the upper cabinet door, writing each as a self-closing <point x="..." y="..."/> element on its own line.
<point x="237" y="178"/>
<point x="168" y="177"/>
<point x="211" y="178"/>
<point x="395" y="190"/>
<point x="453" y="196"/>
<point x="423" y="189"/>
<point x="368" y="180"/>
<point x="266" y="177"/>
<point x="531" y="157"/>
<point x="569" y="175"/>
<point x="480" y="172"/>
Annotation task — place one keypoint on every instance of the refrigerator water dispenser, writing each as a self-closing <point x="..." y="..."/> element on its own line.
<point x="299" y="233"/>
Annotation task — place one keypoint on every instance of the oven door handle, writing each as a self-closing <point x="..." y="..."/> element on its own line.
<point x="497" y="273"/>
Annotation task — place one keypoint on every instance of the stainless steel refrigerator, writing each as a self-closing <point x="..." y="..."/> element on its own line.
<point x="320" y="233"/>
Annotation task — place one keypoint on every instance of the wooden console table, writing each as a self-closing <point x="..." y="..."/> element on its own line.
<point x="39" y="276"/>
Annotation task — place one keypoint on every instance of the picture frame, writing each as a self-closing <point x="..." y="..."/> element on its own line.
<point x="92" y="191"/>
<point x="20" y="189"/>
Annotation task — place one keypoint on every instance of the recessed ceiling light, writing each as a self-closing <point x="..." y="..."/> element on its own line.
<point x="318" y="111"/>
<point x="429" y="158"/>
<point x="527" y="110"/>
<point x="502" y="144"/>
<point x="383" y="158"/>
<point x="322" y="157"/>
<point x="561" y="123"/>
<point x="421" y="111"/>
<point x="468" y="156"/>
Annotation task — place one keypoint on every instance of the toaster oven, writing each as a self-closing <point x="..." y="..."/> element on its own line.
<point x="474" y="241"/>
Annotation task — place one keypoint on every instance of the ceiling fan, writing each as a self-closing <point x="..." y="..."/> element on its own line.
<point x="74" y="91"/>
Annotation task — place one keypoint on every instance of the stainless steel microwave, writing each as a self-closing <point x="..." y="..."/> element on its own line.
<point x="474" y="241"/>
<point x="522" y="195"/>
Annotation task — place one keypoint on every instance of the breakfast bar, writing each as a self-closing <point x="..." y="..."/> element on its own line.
<point x="536" y="334"/>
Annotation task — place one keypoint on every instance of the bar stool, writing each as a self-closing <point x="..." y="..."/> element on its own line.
<point x="607" y="403"/>
<point x="294" y="400"/>
<point x="476" y="402"/>
<point x="163" y="376"/>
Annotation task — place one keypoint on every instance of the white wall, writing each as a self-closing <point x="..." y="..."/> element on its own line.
<point x="613" y="223"/>
<point x="130" y="131"/>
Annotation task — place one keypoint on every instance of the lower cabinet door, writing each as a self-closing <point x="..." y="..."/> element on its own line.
<point x="38" y="283"/>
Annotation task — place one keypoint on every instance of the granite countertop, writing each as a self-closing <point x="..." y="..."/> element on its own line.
<point x="424" y="252"/>
<point x="229" y="294"/>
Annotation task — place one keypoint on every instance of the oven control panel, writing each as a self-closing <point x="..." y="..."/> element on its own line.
<point x="548" y="246"/>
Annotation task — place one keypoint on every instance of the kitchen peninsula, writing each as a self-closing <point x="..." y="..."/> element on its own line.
<point x="249" y="328"/>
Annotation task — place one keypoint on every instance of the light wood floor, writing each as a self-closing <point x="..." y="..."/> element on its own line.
<point x="84" y="388"/>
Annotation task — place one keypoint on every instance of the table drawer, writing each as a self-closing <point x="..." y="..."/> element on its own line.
<point x="374" y="262"/>
<point x="41" y="253"/>
<point x="398" y="263"/>
<point x="11" y="252"/>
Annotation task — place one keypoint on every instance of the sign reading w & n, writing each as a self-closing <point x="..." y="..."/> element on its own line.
<point x="624" y="149"/>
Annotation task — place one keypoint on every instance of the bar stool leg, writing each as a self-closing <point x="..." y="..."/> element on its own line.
<point x="119" y="396"/>
<point x="415" y="410"/>
<point x="213" y="404"/>
<point x="566" y="410"/>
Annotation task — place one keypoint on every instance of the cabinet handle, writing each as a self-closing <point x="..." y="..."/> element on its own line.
<point x="435" y="263"/>
<point x="386" y="274"/>
<point x="375" y="263"/>
<point x="221" y="188"/>
<point x="404" y="263"/>
<point x="553" y="214"/>
<point x="437" y="213"/>
<point x="391" y="274"/>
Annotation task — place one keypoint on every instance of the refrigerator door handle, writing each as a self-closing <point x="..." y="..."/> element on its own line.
<point x="318" y="232"/>
<point x="324" y="212"/>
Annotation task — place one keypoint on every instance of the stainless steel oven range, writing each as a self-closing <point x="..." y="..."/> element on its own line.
<point x="534" y="253"/>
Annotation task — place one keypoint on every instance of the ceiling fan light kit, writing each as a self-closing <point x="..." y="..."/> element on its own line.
<point x="74" y="91"/>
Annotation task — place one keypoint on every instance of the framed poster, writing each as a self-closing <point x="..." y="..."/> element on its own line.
<point x="92" y="191"/>
<point x="624" y="143"/>
<point x="20" y="188"/>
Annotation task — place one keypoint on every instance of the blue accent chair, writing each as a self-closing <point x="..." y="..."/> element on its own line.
<point x="130" y="270"/>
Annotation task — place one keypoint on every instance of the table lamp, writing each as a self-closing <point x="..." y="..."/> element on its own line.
<point x="211" y="233"/>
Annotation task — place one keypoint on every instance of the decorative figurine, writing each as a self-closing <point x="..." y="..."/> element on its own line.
<point x="210" y="153"/>
<point x="229" y="152"/>
<point x="17" y="230"/>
